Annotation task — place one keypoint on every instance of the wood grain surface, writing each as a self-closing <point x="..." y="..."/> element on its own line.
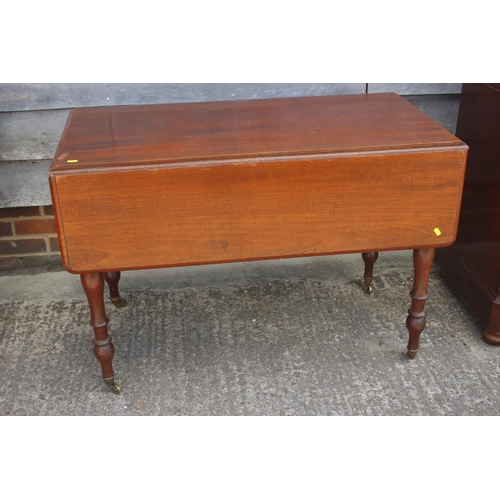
<point x="133" y="135"/>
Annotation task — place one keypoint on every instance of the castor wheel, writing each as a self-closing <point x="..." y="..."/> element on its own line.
<point x="119" y="302"/>
<point x="117" y="389"/>
<point x="368" y="288"/>
<point x="412" y="353"/>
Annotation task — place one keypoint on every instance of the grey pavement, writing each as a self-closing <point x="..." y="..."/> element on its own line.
<point x="284" y="337"/>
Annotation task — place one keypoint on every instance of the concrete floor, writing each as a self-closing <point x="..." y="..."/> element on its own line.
<point x="286" y="337"/>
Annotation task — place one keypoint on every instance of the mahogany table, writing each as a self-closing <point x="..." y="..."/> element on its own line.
<point x="152" y="186"/>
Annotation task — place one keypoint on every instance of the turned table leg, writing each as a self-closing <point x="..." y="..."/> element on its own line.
<point x="112" y="280"/>
<point x="415" y="322"/>
<point x="369" y="258"/>
<point x="93" y="284"/>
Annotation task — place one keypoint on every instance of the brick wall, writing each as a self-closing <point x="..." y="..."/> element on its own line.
<point x="28" y="238"/>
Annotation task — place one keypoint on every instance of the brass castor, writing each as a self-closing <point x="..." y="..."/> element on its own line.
<point x="117" y="389"/>
<point x="119" y="302"/>
<point x="368" y="288"/>
<point x="412" y="353"/>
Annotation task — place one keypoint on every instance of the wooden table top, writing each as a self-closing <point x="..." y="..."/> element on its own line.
<point x="116" y="136"/>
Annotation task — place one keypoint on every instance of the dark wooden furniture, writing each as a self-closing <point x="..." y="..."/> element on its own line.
<point x="472" y="264"/>
<point x="182" y="184"/>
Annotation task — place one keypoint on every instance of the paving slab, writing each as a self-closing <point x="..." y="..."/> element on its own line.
<point x="285" y="337"/>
